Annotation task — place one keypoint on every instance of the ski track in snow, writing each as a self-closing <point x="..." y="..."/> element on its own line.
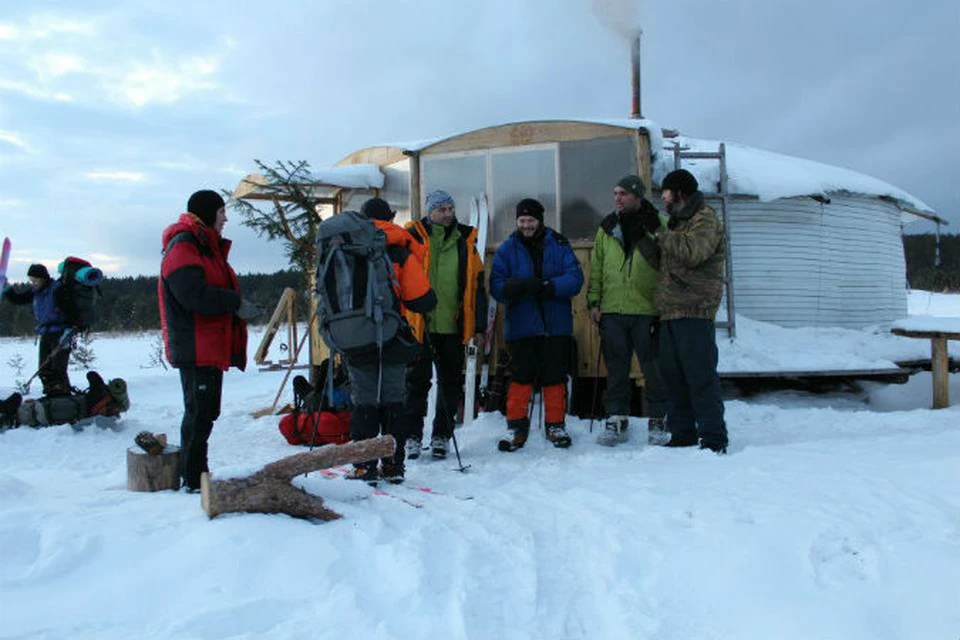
<point x="834" y="516"/>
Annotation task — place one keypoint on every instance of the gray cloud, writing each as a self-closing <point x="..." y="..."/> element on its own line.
<point x="871" y="88"/>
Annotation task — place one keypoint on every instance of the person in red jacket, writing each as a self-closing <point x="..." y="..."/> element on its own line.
<point x="204" y="321"/>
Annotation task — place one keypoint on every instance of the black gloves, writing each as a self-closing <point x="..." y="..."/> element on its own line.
<point x="518" y="288"/>
<point x="547" y="289"/>
<point x="649" y="216"/>
<point x="248" y="311"/>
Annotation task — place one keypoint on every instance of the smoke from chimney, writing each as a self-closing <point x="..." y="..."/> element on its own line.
<point x="623" y="18"/>
<point x="619" y="16"/>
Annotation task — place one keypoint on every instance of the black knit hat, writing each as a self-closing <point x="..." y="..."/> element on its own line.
<point x="377" y="209"/>
<point x="38" y="271"/>
<point x="204" y="204"/>
<point x="530" y="207"/>
<point x="633" y="184"/>
<point x="680" y="180"/>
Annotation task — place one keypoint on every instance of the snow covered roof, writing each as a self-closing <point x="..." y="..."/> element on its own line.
<point x="353" y="176"/>
<point x="770" y="175"/>
<point x="751" y="172"/>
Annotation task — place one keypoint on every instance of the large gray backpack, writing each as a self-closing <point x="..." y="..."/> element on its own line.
<point x="356" y="304"/>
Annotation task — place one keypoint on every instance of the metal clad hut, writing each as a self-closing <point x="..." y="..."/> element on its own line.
<point x="811" y="244"/>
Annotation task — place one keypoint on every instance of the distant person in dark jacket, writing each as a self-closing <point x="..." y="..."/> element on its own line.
<point x="692" y="255"/>
<point x="53" y="327"/>
<point x="535" y="274"/>
<point x="204" y="321"/>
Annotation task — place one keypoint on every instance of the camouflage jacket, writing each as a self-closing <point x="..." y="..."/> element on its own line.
<point x="692" y="258"/>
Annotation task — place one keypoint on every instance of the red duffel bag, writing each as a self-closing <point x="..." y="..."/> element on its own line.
<point x="331" y="427"/>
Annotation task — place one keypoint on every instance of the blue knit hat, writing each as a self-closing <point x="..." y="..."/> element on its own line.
<point x="438" y="198"/>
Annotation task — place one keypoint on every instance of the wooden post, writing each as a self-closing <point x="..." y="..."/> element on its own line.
<point x="940" y="371"/>
<point x="153" y="473"/>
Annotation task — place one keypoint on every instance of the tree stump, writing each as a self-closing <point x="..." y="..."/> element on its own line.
<point x="153" y="473"/>
<point x="269" y="489"/>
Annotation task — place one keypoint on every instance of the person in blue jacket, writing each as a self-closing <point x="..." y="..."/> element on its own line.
<point x="52" y="327"/>
<point x="535" y="274"/>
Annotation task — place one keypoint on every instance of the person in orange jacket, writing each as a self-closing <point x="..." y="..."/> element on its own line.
<point x="386" y="372"/>
<point x="453" y="265"/>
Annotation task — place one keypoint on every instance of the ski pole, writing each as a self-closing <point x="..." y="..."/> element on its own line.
<point x="65" y="339"/>
<point x="596" y="384"/>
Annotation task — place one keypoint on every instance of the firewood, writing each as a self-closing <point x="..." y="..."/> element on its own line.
<point x="269" y="490"/>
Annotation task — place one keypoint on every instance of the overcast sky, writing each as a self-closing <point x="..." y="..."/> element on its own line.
<point x="112" y="112"/>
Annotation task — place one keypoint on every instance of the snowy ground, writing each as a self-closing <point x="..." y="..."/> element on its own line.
<point x="834" y="516"/>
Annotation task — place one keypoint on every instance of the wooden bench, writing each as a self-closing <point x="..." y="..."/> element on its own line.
<point x="938" y="360"/>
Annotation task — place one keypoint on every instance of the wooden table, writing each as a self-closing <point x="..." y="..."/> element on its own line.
<point x="938" y="360"/>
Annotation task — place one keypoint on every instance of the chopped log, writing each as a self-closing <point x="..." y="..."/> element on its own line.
<point x="269" y="489"/>
<point x="153" y="473"/>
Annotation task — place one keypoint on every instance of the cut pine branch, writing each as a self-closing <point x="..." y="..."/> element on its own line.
<point x="269" y="489"/>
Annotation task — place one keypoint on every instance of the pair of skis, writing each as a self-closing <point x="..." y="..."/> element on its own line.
<point x="480" y="219"/>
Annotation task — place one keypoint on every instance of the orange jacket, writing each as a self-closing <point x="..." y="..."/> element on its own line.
<point x="412" y="287"/>
<point x="473" y="295"/>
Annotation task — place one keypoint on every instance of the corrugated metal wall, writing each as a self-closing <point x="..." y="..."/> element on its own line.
<point x="797" y="262"/>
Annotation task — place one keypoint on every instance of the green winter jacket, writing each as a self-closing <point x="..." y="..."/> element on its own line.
<point x="618" y="284"/>
<point x="692" y="256"/>
<point x="443" y="274"/>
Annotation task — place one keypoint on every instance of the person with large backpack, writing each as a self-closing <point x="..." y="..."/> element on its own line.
<point x="53" y="327"/>
<point x="204" y="321"/>
<point x="368" y="274"/>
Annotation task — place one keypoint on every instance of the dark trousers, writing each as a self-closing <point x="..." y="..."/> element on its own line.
<point x="377" y="393"/>
<point x="202" y="389"/>
<point x="623" y="336"/>
<point x="688" y="361"/>
<point x="447" y="352"/>
<point x="53" y="368"/>
<point x="544" y="360"/>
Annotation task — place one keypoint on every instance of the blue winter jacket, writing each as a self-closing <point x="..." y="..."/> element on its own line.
<point x="48" y="316"/>
<point x="530" y="317"/>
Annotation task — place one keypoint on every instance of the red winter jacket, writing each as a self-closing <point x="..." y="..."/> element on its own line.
<point x="199" y="294"/>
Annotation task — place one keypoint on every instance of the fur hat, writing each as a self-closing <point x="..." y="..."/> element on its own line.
<point x="38" y="271"/>
<point x="377" y="209"/>
<point x="204" y="204"/>
<point x="680" y="180"/>
<point x="438" y="198"/>
<point x="530" y="207"/>
<point x="633" y="184"/>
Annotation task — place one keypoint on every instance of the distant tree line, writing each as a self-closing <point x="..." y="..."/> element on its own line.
<point x="130" y="304"/>
<point x="922" y="271"/>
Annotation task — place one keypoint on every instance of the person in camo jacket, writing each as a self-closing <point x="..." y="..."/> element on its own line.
<point x="692" y="257"/>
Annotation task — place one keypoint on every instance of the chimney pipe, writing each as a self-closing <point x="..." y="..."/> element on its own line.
<point x="635" y="74"/>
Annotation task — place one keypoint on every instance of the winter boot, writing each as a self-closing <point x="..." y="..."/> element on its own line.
<point x="517" y="433"/>
<point x="413" y="447"/>
<point x="391" y="470"/>
<point x="366" y="471"/>
<point x="557" y="434"/>
<point x="439" y="446"/>
<point x="678" y="440"/>
<point x="719" y="448"/>
<point x="614" y="431"/>
<point x="11" y="404"/>
<point x="657" y="433"/>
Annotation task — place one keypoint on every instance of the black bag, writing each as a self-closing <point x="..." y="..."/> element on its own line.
<point x="79" y="293"/>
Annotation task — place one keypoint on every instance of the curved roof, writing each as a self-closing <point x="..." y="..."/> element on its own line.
<point x="751" y="172"/>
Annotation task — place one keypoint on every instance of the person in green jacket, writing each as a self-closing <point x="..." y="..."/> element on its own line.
<point x="622" y="300"/>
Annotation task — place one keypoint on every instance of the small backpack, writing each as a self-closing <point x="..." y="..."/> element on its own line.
<point x="80" y="286"/>
<point x="356" y="303"/>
